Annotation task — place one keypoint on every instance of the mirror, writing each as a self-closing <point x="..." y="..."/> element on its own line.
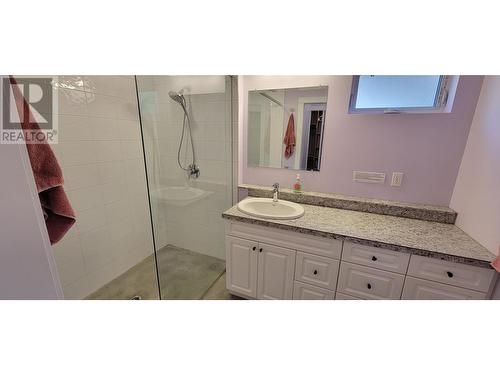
<point x="286" y="126"/>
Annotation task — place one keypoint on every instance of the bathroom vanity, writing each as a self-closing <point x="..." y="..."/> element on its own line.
<point x="332" y="253"/>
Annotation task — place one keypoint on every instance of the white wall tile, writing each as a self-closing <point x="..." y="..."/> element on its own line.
<point x="76" y="152"/>
<point x="113" y="191"/>
<point x="108" y="151"/>
<point x="69" y="258"/>
<point x="90" y="219"/>
<point x="104" y="129"/>
<point x="97" y="248"/>
<point x="85" y="198"/>
<point x="131" y="149"/>
<point x="81" y="176"/>
<point x="71" y="102"/>
<point x="101" y="155"/>
<point x="74" y="128"/>
<point x="105" y="181"/>
<point x="128" y="129"/>
<point x="112" y="171"/>
<point x="102" y="105"/>
<point x="78" y="289"/>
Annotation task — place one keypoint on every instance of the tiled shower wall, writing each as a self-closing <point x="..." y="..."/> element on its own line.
<point x="100" y="152"/>
<point x="197" y="226"/>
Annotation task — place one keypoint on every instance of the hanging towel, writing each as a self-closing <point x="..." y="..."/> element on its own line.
<point x="289" y="140"/>
<point x="57" y="211"/>
<point x="496" y="263"/>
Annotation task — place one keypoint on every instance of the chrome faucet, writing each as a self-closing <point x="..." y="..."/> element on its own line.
<point x="193" y="171"/>
<point x="276" y="190"/>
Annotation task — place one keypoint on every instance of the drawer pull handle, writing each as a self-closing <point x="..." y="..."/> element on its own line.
<point x="253" y="248"/>
<point x="374" y="258"/>
<point x="260" y="250"/>
<point x="369" y="286"/>
<point x="450" y="274"/>
<point x="315" y="272"/>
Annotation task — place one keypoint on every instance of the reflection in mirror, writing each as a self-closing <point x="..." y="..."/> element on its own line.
<point x="286" y="126"/>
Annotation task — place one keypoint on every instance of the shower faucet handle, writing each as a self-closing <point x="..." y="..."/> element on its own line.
<point x="193" y="171"/>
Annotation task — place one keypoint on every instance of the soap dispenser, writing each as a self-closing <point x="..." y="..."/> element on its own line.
<point x="297" y="186"/>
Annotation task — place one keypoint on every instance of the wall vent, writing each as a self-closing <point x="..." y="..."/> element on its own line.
<point x="370" y="177"/>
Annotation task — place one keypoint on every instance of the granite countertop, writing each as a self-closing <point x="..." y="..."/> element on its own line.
<point x="346" y="202"/>
<point x="419" y="237"/>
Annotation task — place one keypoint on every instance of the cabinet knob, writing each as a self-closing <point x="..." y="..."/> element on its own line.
<point x="369" y="286"/>
<point x="374" y="258"/>
<point x="260" y="250"/>
<point x="450" y="274"/>
<point x="315" y="272"/>
<point x="253" y="248"/>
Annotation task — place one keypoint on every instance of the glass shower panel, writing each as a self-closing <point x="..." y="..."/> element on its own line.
<point x="108" y="253"/>
<point x="187" y="128"/>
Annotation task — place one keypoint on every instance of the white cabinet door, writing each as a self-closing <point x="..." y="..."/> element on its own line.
<point x="241" y="266"/>
<point x="275" y="276"/>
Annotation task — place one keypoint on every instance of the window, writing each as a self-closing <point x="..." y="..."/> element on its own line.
<point x="396" y="94"/>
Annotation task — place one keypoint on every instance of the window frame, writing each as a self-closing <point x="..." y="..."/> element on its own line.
<point x="440" y="102"/>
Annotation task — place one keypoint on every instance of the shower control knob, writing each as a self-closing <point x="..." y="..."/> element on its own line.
<point x="260" y="250"/>
<point x="253" y="248"/>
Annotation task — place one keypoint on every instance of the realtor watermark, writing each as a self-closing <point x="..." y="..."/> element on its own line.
<point x="29" y="110"/>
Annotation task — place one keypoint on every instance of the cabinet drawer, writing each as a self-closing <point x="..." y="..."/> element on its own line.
<point x="430" y="290"/>
<point x="369" y="283"/>
<point x="309" y="292"/>
<point x="323" y="246"/>
<point x="316" y="270"/>
<point x="375" y="257"/>
<point x="344" y="296"/>
<point x="461" y="275"/>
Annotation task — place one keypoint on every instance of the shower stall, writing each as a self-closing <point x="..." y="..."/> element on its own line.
<point x="171" y="177"/>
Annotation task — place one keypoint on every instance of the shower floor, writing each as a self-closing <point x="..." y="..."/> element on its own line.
<point x="184" y="274"/>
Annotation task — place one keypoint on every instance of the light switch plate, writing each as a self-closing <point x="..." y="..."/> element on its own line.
<point x="397" y="179"/>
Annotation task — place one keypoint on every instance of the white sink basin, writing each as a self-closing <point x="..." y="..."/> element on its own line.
<point x="267" y="209"/>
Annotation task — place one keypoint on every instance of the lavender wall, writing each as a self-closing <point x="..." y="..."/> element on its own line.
<point x="27" y="266"/>
<point x="427" y="148"/>
<point x="476" y="197"/>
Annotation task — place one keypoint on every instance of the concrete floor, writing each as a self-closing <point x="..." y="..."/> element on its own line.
<point x="218" y="290"/>
<point x="184" y="274"/>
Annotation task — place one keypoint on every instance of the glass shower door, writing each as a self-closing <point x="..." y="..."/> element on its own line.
<point x="188" y="135"/>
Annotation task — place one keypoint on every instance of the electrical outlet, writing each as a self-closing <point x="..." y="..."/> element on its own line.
<point x="397" y="179"/>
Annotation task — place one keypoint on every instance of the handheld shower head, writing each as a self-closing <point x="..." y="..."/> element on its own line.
<point x="192" y="169"/>
<point x="175" y="96"/>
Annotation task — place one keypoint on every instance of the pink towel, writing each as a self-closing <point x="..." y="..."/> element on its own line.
<point x="496" y="263"/>
<point x="58" y="213"/>
<point x="289" y="140"/>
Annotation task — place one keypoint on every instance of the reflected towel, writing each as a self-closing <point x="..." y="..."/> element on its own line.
<point x="57" y="211"/>
<point x="496" y="263"/>
<point x="289" y="140"/>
